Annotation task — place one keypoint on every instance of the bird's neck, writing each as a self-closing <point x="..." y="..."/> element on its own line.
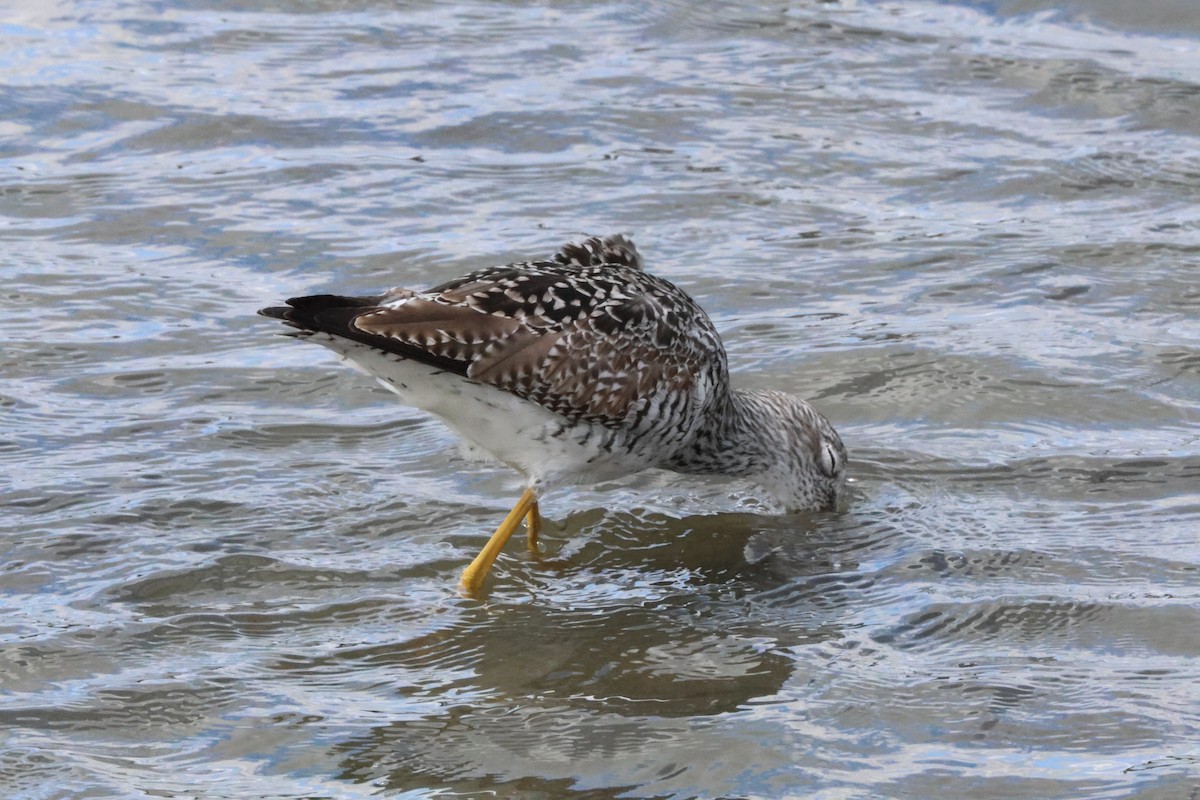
<point x="734" y="438"/>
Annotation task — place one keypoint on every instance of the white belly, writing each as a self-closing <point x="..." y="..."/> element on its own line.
<point x="538" y="443"/>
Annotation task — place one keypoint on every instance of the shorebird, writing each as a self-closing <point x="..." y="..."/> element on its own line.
<point x="582" y="367"/>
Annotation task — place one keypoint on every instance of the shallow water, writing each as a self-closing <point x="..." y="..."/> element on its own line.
<point x="967" y="232"/>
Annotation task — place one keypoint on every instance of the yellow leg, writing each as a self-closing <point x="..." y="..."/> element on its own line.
<point x="533" y="527"/>
<point x="472" y="577"/>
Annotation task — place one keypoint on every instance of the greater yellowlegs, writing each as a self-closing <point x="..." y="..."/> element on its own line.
<point x="579" y="368"/>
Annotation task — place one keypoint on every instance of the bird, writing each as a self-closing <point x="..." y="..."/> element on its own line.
<point x="578" y="368"/>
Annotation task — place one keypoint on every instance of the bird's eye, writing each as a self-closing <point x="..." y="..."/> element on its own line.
<point x="829" y="460"/>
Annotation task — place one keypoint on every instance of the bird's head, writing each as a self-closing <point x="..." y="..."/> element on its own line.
<point x="808" y="472"/>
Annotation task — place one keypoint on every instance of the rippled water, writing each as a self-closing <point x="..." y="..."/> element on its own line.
<point x="969" y="233"/>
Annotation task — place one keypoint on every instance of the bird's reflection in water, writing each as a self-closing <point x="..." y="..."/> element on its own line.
<point x="648" y="630"/>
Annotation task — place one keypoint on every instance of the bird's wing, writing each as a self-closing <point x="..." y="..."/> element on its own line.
<point x="593" y="343"/>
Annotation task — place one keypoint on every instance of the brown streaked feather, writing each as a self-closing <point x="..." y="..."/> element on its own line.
<point x="515" y="363"/>
<point x="587" y="335"/>
<point x="418" y="320"/>
<point x="598" y="251"/>
<point x="337" y="315"/>
<point x="617" y="376"/>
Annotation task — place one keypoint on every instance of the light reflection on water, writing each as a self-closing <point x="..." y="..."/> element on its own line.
<point x="967" y="233"/>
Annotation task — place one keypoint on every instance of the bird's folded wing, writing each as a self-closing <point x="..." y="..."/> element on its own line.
<point x="599" y="361"/>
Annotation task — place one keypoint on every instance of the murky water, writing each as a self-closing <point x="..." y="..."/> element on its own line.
<point x="969" y="233"/>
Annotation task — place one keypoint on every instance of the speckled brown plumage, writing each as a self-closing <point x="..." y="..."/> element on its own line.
<point x="621" y="371"/>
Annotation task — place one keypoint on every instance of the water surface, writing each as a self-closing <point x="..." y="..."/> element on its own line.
<point x="967" y="232"/>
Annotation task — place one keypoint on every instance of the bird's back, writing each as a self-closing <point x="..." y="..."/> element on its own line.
<point x="621" y="359"/>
